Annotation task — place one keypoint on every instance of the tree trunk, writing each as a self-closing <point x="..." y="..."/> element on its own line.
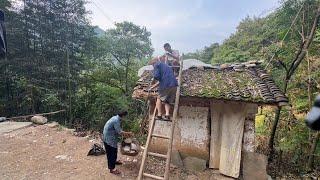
<point x="126" y="80"/>
<point x="273" y="132"/>
<point x="312" y="151"/>
<point x="275" y="123"/>
<point x="294" y="65"/>
<point x="313" y="140"/>
<point x="69" y="88"/>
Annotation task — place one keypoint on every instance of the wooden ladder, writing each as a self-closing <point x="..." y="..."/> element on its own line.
<point x="151" y="135"/>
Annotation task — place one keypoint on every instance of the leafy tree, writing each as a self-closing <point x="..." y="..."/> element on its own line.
<point x="126" y="44"/>
<point x="204" y="55"/>
<point x="110" y="75"/>
<point x="40" y="34"/>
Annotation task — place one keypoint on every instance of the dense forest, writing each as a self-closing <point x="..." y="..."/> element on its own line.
<point x="57" y="61"/>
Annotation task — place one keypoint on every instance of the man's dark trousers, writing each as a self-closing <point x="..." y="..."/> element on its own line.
<point x="111" y="153"/>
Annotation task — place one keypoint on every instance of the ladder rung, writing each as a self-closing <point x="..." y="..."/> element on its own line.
<point x="157" y="155"/>
<point x="160" y="136"/>
<point x="164" y="120"/>
<point x="153" y="176"/>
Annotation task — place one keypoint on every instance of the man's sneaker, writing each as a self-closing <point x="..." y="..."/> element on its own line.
<point x="166" y="118"/>
<point x="158" y="118"/>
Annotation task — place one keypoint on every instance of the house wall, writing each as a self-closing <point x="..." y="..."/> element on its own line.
<point x="232" y="132"/>
<point x="249" y="128"/>
<point x="194" y="129"/>
<point x="191" y="135"/>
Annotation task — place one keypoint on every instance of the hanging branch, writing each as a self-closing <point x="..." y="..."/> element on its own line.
<point x="304" y="46"/>
<point x="294" y="65"/>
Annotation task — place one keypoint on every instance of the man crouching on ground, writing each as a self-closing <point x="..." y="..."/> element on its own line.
<point x="167" y="88"/>
<point x="111" y="132"/>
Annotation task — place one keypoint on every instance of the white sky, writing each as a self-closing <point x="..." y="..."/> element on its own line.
<point x="187" y="25"/>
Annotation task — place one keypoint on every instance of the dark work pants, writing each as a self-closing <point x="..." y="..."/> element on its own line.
<point x="111" y="153"/>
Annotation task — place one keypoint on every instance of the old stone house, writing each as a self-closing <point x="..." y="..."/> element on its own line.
<point x="218" y="104"/>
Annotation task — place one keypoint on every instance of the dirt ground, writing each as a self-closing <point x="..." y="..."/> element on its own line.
<point x="42" y="152"/>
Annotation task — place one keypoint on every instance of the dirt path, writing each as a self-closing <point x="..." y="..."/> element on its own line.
<point x="41" y="152"/>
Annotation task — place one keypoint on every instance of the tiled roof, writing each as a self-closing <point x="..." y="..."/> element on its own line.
<point x="246" y="82"/>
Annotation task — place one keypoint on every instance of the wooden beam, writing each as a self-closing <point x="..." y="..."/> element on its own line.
<point x="215" y="141"/>
<point x="41" y="114"/>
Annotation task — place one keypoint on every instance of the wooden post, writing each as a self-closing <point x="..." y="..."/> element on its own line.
<point x="69" y="88"/>
<point x="174" y="118"/>
<point x="41" y="114"/>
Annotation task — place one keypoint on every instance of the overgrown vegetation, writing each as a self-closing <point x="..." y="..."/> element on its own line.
<point x="56" y="60"/>
<point x="278" y="39"/>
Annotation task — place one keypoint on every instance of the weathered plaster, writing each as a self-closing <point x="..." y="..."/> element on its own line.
<point x="191" y="133"/>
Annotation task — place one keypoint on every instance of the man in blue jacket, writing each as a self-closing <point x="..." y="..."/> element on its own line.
<point x="111" y="133"/>
<point x="167" y="88"/>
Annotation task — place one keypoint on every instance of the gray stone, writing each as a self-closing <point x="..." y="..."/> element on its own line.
<point x="3" y="119"/>
<point x="53" y="124"/>
<point x="194" y="164"/>
<point x="176" y="158"/>
<point x="39" y="120"/>
<point x="254" y="166"/>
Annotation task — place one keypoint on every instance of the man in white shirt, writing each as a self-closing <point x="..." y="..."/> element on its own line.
<point x="172" y="57"/>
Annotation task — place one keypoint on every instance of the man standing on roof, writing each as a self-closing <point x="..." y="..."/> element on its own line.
<point x="172" y="57"/>
<point x="167" y="88"/>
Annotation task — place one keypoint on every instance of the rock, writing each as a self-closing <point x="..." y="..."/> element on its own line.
<point x="128" y="140"/>
<point x="70" y="131"/>
<point x="134" y="147"/>
<point x="64" y="157"/>
<point x="81" y="134"/>
<point x="254" y="166"/>
<point x="53" y="124"/>
<point x="126" y="148"/>
<point x="3" y="119"/>
<point x="194" y="164"/>
<point x="176" y="158"/>
<point x="221" y="177"/>
<point x="192" y="177"/>
<point x="39" y="120"/>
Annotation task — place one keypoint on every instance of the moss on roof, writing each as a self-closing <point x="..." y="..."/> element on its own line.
<point x="238" y="82"/>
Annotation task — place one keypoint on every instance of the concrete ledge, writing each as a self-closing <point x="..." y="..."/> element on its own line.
<point x="9" y="126"/>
